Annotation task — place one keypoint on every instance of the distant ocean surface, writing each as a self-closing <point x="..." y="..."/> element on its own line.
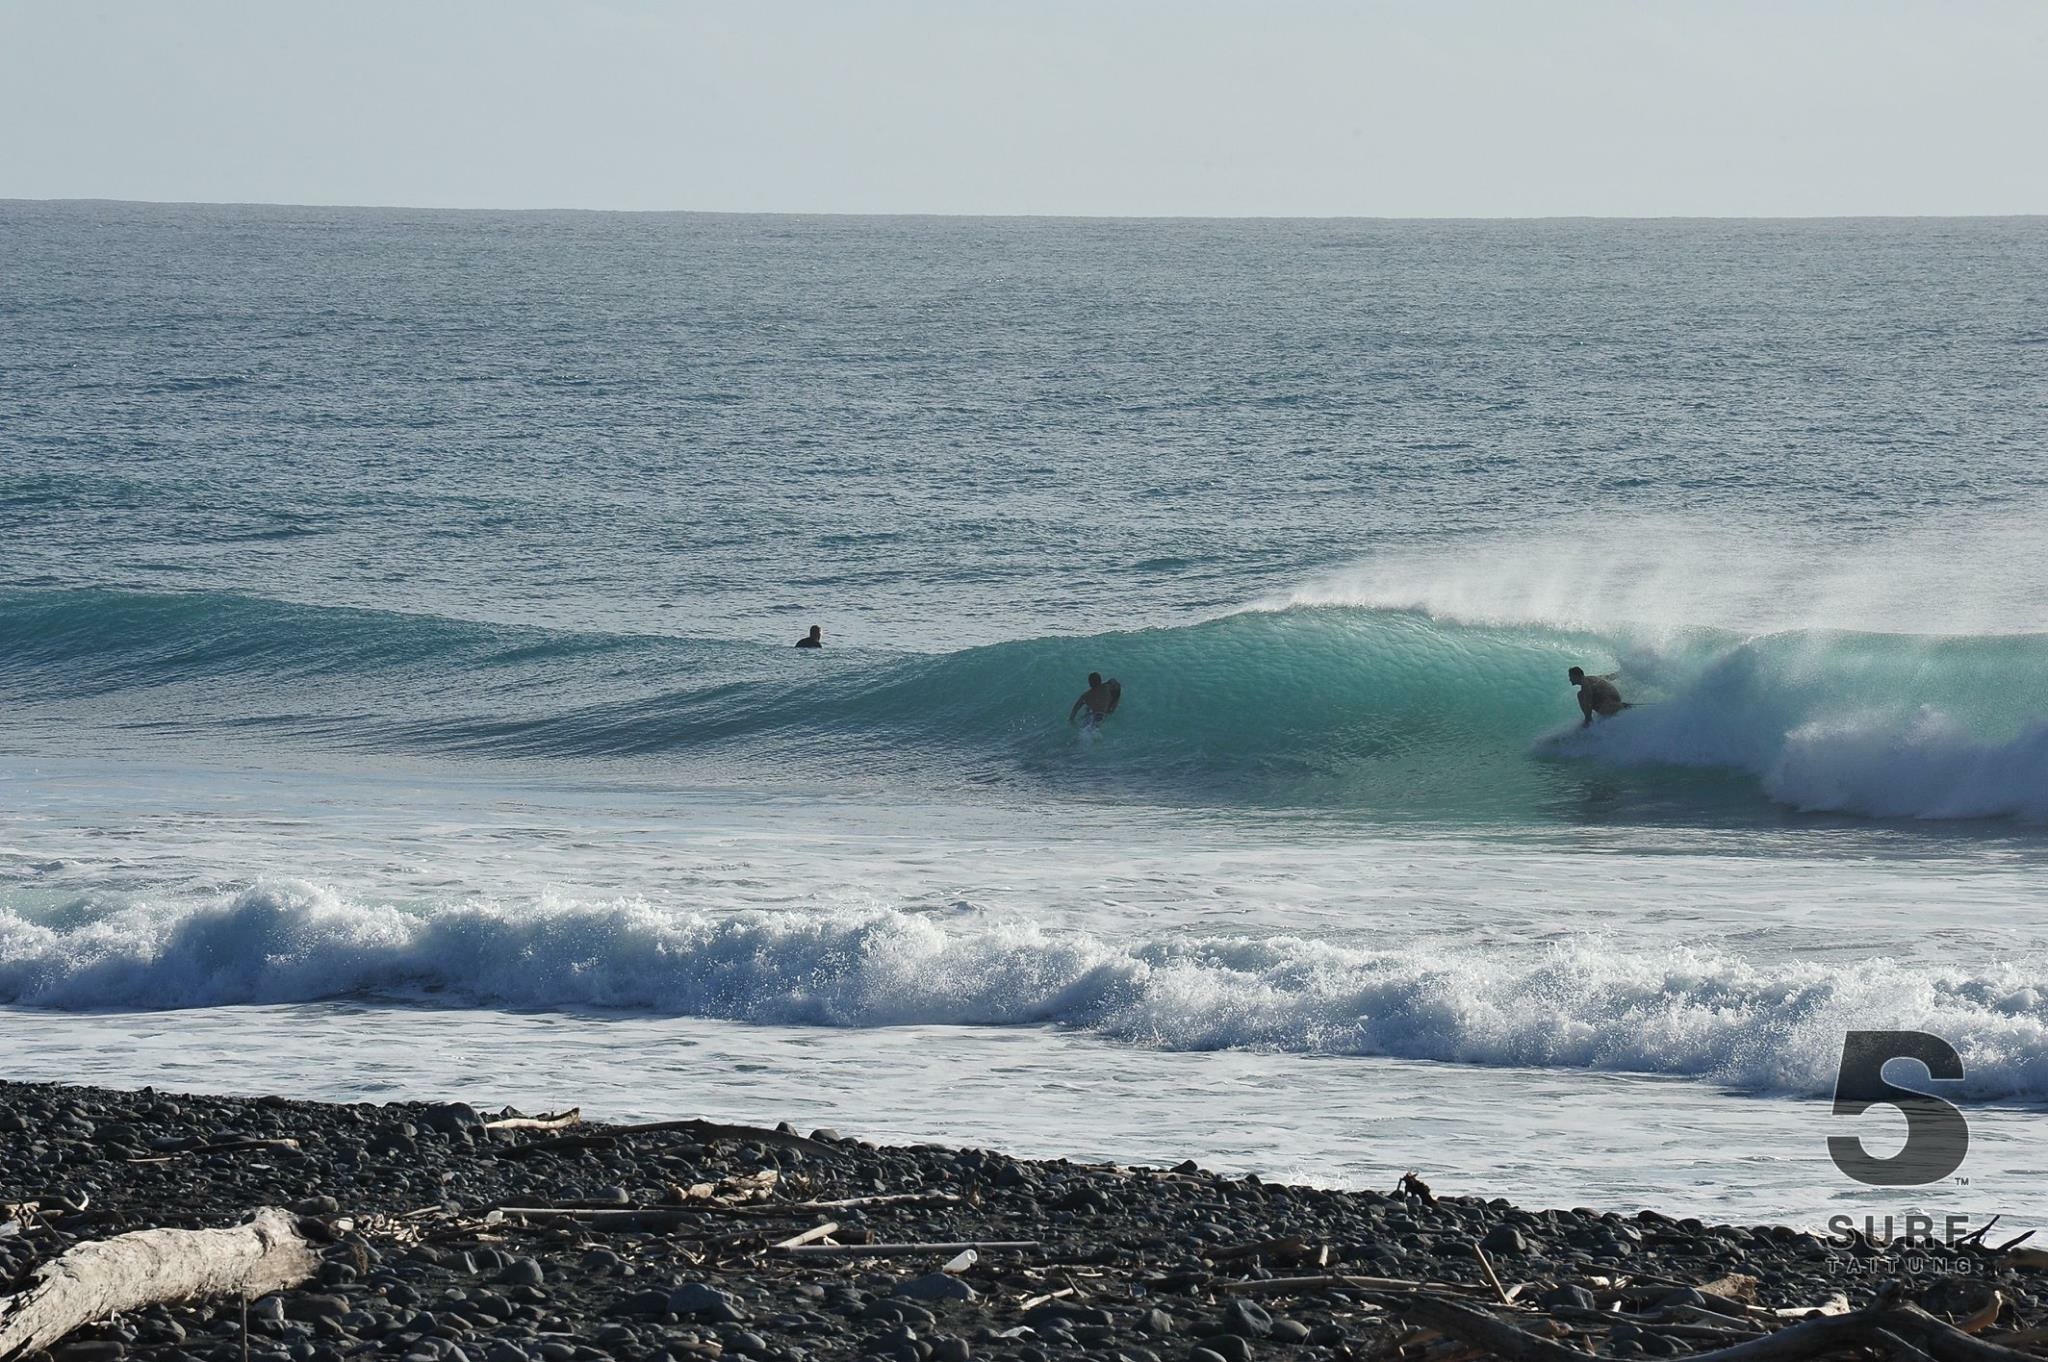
<point x="397" y="695"/>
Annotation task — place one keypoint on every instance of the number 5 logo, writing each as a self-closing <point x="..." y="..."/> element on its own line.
<point x="1937" y="1136"/>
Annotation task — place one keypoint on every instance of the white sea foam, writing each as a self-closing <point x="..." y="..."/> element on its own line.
<point x="1815" y="744"/>
<point x="1586" y="1004"/>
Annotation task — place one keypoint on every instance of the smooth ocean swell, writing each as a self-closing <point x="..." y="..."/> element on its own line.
<point x="1588" y="1005"/>
<point x="1314" y="707"/>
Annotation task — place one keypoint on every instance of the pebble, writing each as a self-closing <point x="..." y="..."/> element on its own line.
<point x="644" y="1303"/>
<point x="89" y="1350"/>
<point x="1245" y="1320"/>
<point x="305" y="1305"/>
<point x="1504" y="1239"/>
<point x="463" y="1297"/>
<point x="522" y="1272"/>
<point x="696" y="1298"/>
<point x="451" y="1118"/>
<point x="935" y="1286"/>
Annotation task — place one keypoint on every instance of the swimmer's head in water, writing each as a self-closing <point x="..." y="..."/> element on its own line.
<point x="816" y="631"/>
<point x="1094" y="679"/>
<point x="1576" y="674"/>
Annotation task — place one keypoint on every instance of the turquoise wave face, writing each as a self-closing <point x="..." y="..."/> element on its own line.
<point x="1321" y="708"/>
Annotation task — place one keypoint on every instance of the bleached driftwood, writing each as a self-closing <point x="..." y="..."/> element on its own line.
<point x="151" y="1267"/>
<point x="810" y="1236"/>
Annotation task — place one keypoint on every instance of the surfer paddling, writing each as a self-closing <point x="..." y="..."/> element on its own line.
<point x="1597" y="695"/>
<point x="814" y="639"/>
<point x="1100" y="699"/>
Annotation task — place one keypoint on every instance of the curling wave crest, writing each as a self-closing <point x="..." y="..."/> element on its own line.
<point x="1339" y="706"/>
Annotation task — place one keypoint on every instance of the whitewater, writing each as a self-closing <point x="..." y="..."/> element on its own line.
<point x="397" y="695"/>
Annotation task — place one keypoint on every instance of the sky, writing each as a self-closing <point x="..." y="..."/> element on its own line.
<point x="1436" y="108"/>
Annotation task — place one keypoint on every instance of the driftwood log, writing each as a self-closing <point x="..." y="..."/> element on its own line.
<point x="561" y="1121"/>
<point x="907" y="1250"/>
<point x="153" y="1267"/>
<point x="239" y="1146"/>
<point x="704" y="1131"/>
<point x="1906" y="1332"/>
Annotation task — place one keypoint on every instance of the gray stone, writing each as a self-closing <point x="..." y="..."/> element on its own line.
<point x="1504" y="1239"/>
<point x="643" y="1303"/>
<point x="89" y="1350"/>
<point x="694" y="1298"/>
<point x="1245" y="1320"/>
<point x="451" y="1118"/>
<point x="316" y="1307"/>
<point x="935" y="1286"/>
<point x="1156" y="1322"/>
<point x="1290" y="1331"/>
<point x="522" y="1272"/>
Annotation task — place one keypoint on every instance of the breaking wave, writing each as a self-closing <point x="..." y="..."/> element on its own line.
<point x="1318" y="706"/>
<point x="1586" y="1004"/>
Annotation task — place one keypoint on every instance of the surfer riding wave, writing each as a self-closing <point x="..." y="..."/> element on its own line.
<point x="1597" y="695"/>
<point x="1099" y="700"/>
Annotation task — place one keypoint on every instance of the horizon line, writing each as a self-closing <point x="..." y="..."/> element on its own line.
<point x="1029" y="216"/>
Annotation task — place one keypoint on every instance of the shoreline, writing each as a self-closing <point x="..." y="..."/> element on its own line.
<point x="564" y="1241"/>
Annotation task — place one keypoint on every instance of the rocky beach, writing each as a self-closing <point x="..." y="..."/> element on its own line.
<point x="438" y="1233"/>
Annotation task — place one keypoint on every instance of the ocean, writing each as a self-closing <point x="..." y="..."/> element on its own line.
<point x="397" y="696"/>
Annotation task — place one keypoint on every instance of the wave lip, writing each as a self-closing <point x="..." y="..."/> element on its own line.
<point x="1585" y="1004"/>
<point x="1839" y="723"/>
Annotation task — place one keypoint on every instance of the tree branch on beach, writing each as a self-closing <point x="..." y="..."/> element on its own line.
<point x="1903" y="1330"/>
<point x="105" y="1277"/>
